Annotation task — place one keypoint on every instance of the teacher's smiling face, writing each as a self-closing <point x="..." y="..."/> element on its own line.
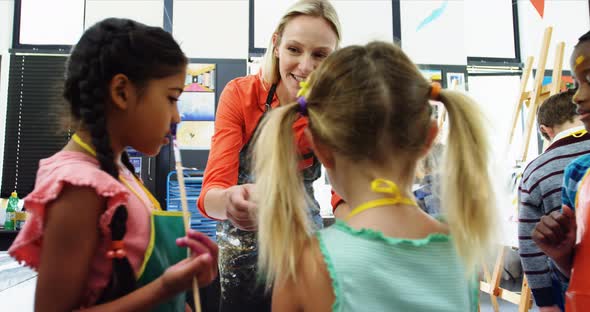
<point x="306" y="41"/>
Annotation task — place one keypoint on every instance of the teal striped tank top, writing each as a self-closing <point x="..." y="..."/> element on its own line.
<point x="372" y="272"/>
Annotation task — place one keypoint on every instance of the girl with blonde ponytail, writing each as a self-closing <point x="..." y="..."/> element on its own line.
<point x="369" y="124"/>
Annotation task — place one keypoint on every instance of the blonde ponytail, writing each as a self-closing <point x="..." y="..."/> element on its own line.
<point x="466" y="184"/>
<point x="283" y="225"/>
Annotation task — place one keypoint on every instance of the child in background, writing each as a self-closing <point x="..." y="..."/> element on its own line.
<point x="539" y="193"/>
<point x="427" y="193"/>
<point x="96" y="235"/>
<point x="562" y="235"/>
<point x="369" y="124"/>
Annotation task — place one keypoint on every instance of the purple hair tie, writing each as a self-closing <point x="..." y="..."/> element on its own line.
<point x="302" y="105"/>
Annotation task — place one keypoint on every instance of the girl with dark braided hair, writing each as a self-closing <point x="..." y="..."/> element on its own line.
<point x="96" y="236"/>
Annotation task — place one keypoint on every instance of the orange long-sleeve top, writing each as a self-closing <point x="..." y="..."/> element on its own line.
<point x="241" y="105"/>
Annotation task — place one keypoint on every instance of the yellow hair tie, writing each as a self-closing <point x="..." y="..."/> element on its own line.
<point x="303" y="89"/>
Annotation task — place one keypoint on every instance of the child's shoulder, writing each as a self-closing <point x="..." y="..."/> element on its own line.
<point x="63" y="169"/>
<point x="312" y="290"/>
<point x="73" y="168"/>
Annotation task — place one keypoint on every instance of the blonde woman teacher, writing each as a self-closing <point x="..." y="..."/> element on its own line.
<point x="306" y="34"/>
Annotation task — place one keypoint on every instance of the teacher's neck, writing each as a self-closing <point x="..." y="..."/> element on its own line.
<point x="283" y="94"/>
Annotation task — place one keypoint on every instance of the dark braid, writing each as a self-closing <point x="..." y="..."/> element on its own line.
<point x="111" y="47"/>
<point x="125" y="160"/>
<point x="123" y="279"/>
<point x="92" y="100"/>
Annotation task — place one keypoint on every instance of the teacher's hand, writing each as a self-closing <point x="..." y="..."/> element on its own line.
<point x="241" y="207"/>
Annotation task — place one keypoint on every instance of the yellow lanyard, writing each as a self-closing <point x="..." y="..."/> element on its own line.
<point x="91" y="150"/>
<point x="579" y="133"/>
<point x="387" y="187"/>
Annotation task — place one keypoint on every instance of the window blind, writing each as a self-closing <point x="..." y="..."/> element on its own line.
<point x="35" y="115"/>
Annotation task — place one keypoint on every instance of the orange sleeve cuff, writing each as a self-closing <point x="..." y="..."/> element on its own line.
<point x="201" y="202"/>
<point x="336" y="200"/>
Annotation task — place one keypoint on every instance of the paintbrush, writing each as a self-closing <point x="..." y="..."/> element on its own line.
<point x="184" y="204"/>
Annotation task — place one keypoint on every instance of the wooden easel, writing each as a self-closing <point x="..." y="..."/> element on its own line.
<point x="492" y="286"/>
<point x="532" y="100"/>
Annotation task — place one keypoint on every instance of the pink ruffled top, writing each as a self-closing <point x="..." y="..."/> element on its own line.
<point x="79" y="169"/>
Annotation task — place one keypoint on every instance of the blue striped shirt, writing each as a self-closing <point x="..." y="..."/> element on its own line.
<point x="572" y="175"/>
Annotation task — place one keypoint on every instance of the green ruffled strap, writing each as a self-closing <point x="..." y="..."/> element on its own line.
<point x="332" y="271"/>
<point x="379" y="236"/>
<point x="475" y="293"/>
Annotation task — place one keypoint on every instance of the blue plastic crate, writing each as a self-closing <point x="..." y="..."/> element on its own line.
<point x="193" y="180"/>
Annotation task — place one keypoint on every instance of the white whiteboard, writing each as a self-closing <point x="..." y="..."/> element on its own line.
<point x="6" y="13"/>
<point x="432" y="31"/>
<point x="497" y="96"/>
<point x="212" y="29"/>
<point x="569" y="18"/>
<point x="364" y="21"/>
<point x="149" y="12"/>
<point x="55" y="22"/>
<point x="489" y="29"/>
<point x="361" y="20"/>
<point x="266" y="17"/>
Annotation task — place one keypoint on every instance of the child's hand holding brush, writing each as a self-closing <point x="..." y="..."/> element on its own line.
<point x="204" y="266"/>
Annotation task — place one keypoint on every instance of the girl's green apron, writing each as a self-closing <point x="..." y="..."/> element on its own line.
<point x="162" y="252"/>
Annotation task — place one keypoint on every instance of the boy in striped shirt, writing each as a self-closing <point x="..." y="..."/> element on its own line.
<point x="540" y="192"/>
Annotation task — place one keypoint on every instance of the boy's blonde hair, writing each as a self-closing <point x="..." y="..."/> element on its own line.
<point x="367" y="103"/>
<point x="315" y="8"/>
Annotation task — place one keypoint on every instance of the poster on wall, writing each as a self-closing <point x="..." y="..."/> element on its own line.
<point x="424" y="24"/>
<point x="456" y="81"/>
<point x="195" y="135"/>
<point x="567" y="82"/>
<point x="433" y="75"/>
<point x="196" y="107"/>
<point x="198" y="99"/>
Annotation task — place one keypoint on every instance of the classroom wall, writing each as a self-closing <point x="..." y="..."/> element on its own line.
<point x="569" y="19"/>
<point x="62" y="26"/>
<point x="353" y="16"/>
<point x="433" y="31"/>
<point x="6" y="14"/>
<point x="149" y="12"/>
<point x="202" y="29"/>
<point x="212" y="29"/>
